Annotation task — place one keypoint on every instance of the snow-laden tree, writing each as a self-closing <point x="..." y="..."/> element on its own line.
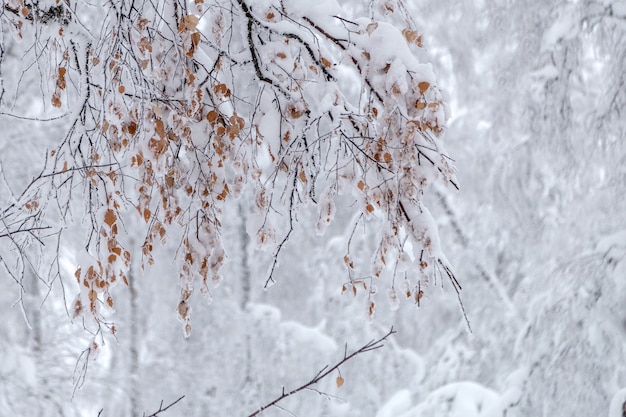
<point x="175" y="108"/>
<point x="537" y="96"/>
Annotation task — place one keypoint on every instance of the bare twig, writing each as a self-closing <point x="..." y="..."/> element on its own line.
<point x="156" y="413"/>
<point x="29" y="230"/>
<point x="161" y="409"/>
<point x="457" y="288"/>
<point x="327" y="370"/>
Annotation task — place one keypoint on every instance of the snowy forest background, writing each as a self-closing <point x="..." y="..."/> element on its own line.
<point x="536" y="236"/>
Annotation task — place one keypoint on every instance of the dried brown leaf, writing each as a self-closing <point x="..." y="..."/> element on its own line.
<point x="160" y="128"/>
<point x="110" y="218"/>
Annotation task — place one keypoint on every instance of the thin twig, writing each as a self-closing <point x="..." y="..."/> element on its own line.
<point x="161" y="409"/>
<point x="327" y="370"/>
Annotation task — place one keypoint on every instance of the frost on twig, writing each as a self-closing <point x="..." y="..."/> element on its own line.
<point x="174" y="110"/>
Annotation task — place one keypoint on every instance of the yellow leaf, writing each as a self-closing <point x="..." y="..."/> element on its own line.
<point x="339" y="381"/>
<point x="423" y="86"/>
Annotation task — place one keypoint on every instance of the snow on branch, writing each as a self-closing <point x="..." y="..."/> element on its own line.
<point x="175" y="109"/>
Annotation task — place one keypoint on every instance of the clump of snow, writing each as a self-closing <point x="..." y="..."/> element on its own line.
<point x="566" y="27"/>
<point x="459" y="399"/>
<point x="260" y="312"/>
<point x="313" y="337"/>
<point x="617" y="408"/>
<point x="317" y="10"/>
<point x="399" y="403"/>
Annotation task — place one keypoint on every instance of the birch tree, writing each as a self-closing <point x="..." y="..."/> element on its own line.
<point x="176" y="108"/>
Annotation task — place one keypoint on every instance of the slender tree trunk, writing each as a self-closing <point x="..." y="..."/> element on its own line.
<point x="244" y="240"/>
<point x="246" y="289"/>
<point x="36" y="340"/>
<point x="43" y="388"/>
<point x="134" y="340"/>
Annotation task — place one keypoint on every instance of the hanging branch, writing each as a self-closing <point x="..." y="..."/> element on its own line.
<point x="324" y="372"/>
<point x="161" y="85"/>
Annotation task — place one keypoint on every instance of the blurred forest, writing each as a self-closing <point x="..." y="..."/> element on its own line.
<point x="536" y="237"/>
